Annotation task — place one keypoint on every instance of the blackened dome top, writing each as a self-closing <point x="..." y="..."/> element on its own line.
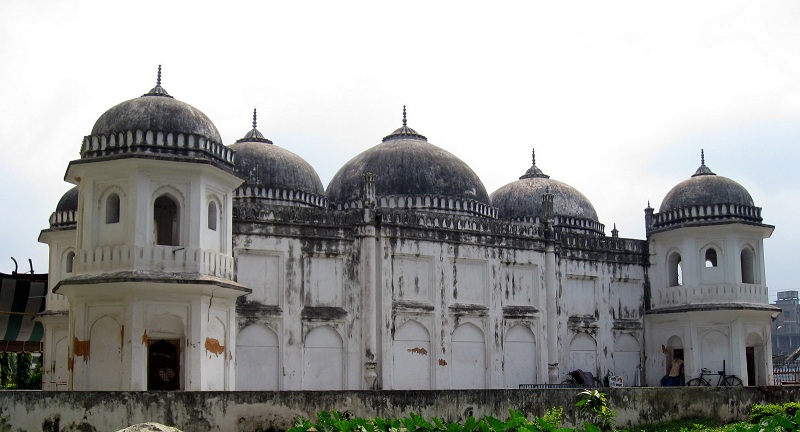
<point x="267" y="167"/>
<point x="408" y="166"/>
<point x="68" y="201"/>
<point x="156" y="125"/>
<point x="705" y="188"/>
<point x="156" y="110"/>
<point x="522" y="200"/>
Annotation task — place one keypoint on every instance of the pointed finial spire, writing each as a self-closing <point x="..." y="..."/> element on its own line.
<point x="703" y="169"/>
<point x="158" y="90"/>
<point x="534" y="171"/>
<point x="404" y="132"/>
<point x="254" y="135"/>
<point x="615" y="231"/>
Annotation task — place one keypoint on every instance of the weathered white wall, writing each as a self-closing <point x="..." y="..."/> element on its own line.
<point x="258" y="411"/>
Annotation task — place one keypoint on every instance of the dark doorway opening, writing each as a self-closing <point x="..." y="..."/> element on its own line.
<point x="750" y="354"/>
<point x="163" y="365"/>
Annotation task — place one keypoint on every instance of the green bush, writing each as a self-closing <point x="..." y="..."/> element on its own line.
<point x="759" y="412"/>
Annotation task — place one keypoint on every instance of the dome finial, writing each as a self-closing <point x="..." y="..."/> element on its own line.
<point x="404" y="132"/>
<point x="254" y="135"/>
<point x="534" y="171"/>
<point x="703" y="169"/>
<point x="158" y="90"/>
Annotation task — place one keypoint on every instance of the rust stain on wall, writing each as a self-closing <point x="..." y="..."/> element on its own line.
<point x="420" y="351"/>
<point x="81" y="349"/>
<point x="442" y="362"/>
<point x="213" y="346"/>
<point x="145" y="339"/>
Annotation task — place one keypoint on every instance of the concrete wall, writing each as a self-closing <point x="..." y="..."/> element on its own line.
<point x="262" y="411"/>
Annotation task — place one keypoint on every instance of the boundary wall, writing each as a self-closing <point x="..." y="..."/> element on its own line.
<point x="276" y="411"/>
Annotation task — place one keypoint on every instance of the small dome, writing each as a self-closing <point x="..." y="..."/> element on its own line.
<point x="156" y="110"/>
<point x="158" y="125"/>
<point x="65" y="216"/>
<point x="705" y="188"/>
<point x="267" y="167"/>
<point x="68" y="201"/>
<point x="522" y="200"/>
<point x="407" y="166"/>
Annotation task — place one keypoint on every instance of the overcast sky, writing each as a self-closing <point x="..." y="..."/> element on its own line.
<point x="617" y="98"/>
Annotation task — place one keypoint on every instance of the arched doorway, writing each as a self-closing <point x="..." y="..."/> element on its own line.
<point x="163" y="365"/>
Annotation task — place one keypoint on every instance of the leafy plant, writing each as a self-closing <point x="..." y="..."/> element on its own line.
<point x="595" y="404"/>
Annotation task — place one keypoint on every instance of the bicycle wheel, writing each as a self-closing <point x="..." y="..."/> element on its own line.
<point x="732" y="381"/>
<point x="697" y="382"/>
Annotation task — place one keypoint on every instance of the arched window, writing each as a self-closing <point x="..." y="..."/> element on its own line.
<point x="112" y="209"/>
<point x="212" y="216"/>
<point x="748" y="266"/>
<point x="68" y="265"/>
<point x="675" y="270"/>
<point x="167" y="224"/>
<point x="711" y="257"/>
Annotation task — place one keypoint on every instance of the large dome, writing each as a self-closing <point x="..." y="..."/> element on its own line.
<point x="413" y="172"/>
<point x="156" y="125"/>
<point x="273" y="171"/>
<point x="522" y="200"/>
<point x="705" y="199"/>
<point x="156" y="112"/>
<point x="705" y="188"/>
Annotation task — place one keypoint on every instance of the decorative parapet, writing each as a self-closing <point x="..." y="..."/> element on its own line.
<point x="155" y="142"/>
<point x="262" y="213"/>
<point x="710" y="294"/>
<point x="431" y="203"/>
<point x="64" y="219"/>
<point x="593" y="247"/>
<point x="177" y="259"/>
<point x="708" y="214"/>
<point x="276" y="196"/>
<point x="460" y="223"/>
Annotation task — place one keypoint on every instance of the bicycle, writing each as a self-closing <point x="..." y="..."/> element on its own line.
<point x="724" y="379"/>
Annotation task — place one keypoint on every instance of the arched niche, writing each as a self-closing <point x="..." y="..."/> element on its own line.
<point x="257" y="358"/>
<point x="323" y="360"/>
<point x="468" y="358"/>
<point x="411" y="357"/>
<point x="519" y="356"/>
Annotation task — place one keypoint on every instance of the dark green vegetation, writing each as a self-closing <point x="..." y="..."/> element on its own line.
<point x="20" y="371"/>
<point x="593" y="406"/>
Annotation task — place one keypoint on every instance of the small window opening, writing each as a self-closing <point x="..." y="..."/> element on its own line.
<point x="711" y="258"/>
<point x="675" y="270"/>
<point x="748" y="266"/>
<point x="70" y="261"/>
<point x="165" y="213"/>
<point x="212" y="216"/>
<point x="112" y="209"/>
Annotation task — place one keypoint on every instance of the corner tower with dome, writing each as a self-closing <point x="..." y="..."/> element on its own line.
<point x="140" y="253"/>
<point x="709" y="302"/>
<point x="178" y="262"/>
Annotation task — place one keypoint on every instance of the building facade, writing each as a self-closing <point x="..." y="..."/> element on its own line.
<point x="192" y="265"/>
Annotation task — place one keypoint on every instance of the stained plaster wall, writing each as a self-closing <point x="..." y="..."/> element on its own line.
<point x="305" y="283"/>
<point x="260" y="411"/>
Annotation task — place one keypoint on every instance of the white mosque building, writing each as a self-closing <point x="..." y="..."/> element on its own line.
<point x="181" y="261"/>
